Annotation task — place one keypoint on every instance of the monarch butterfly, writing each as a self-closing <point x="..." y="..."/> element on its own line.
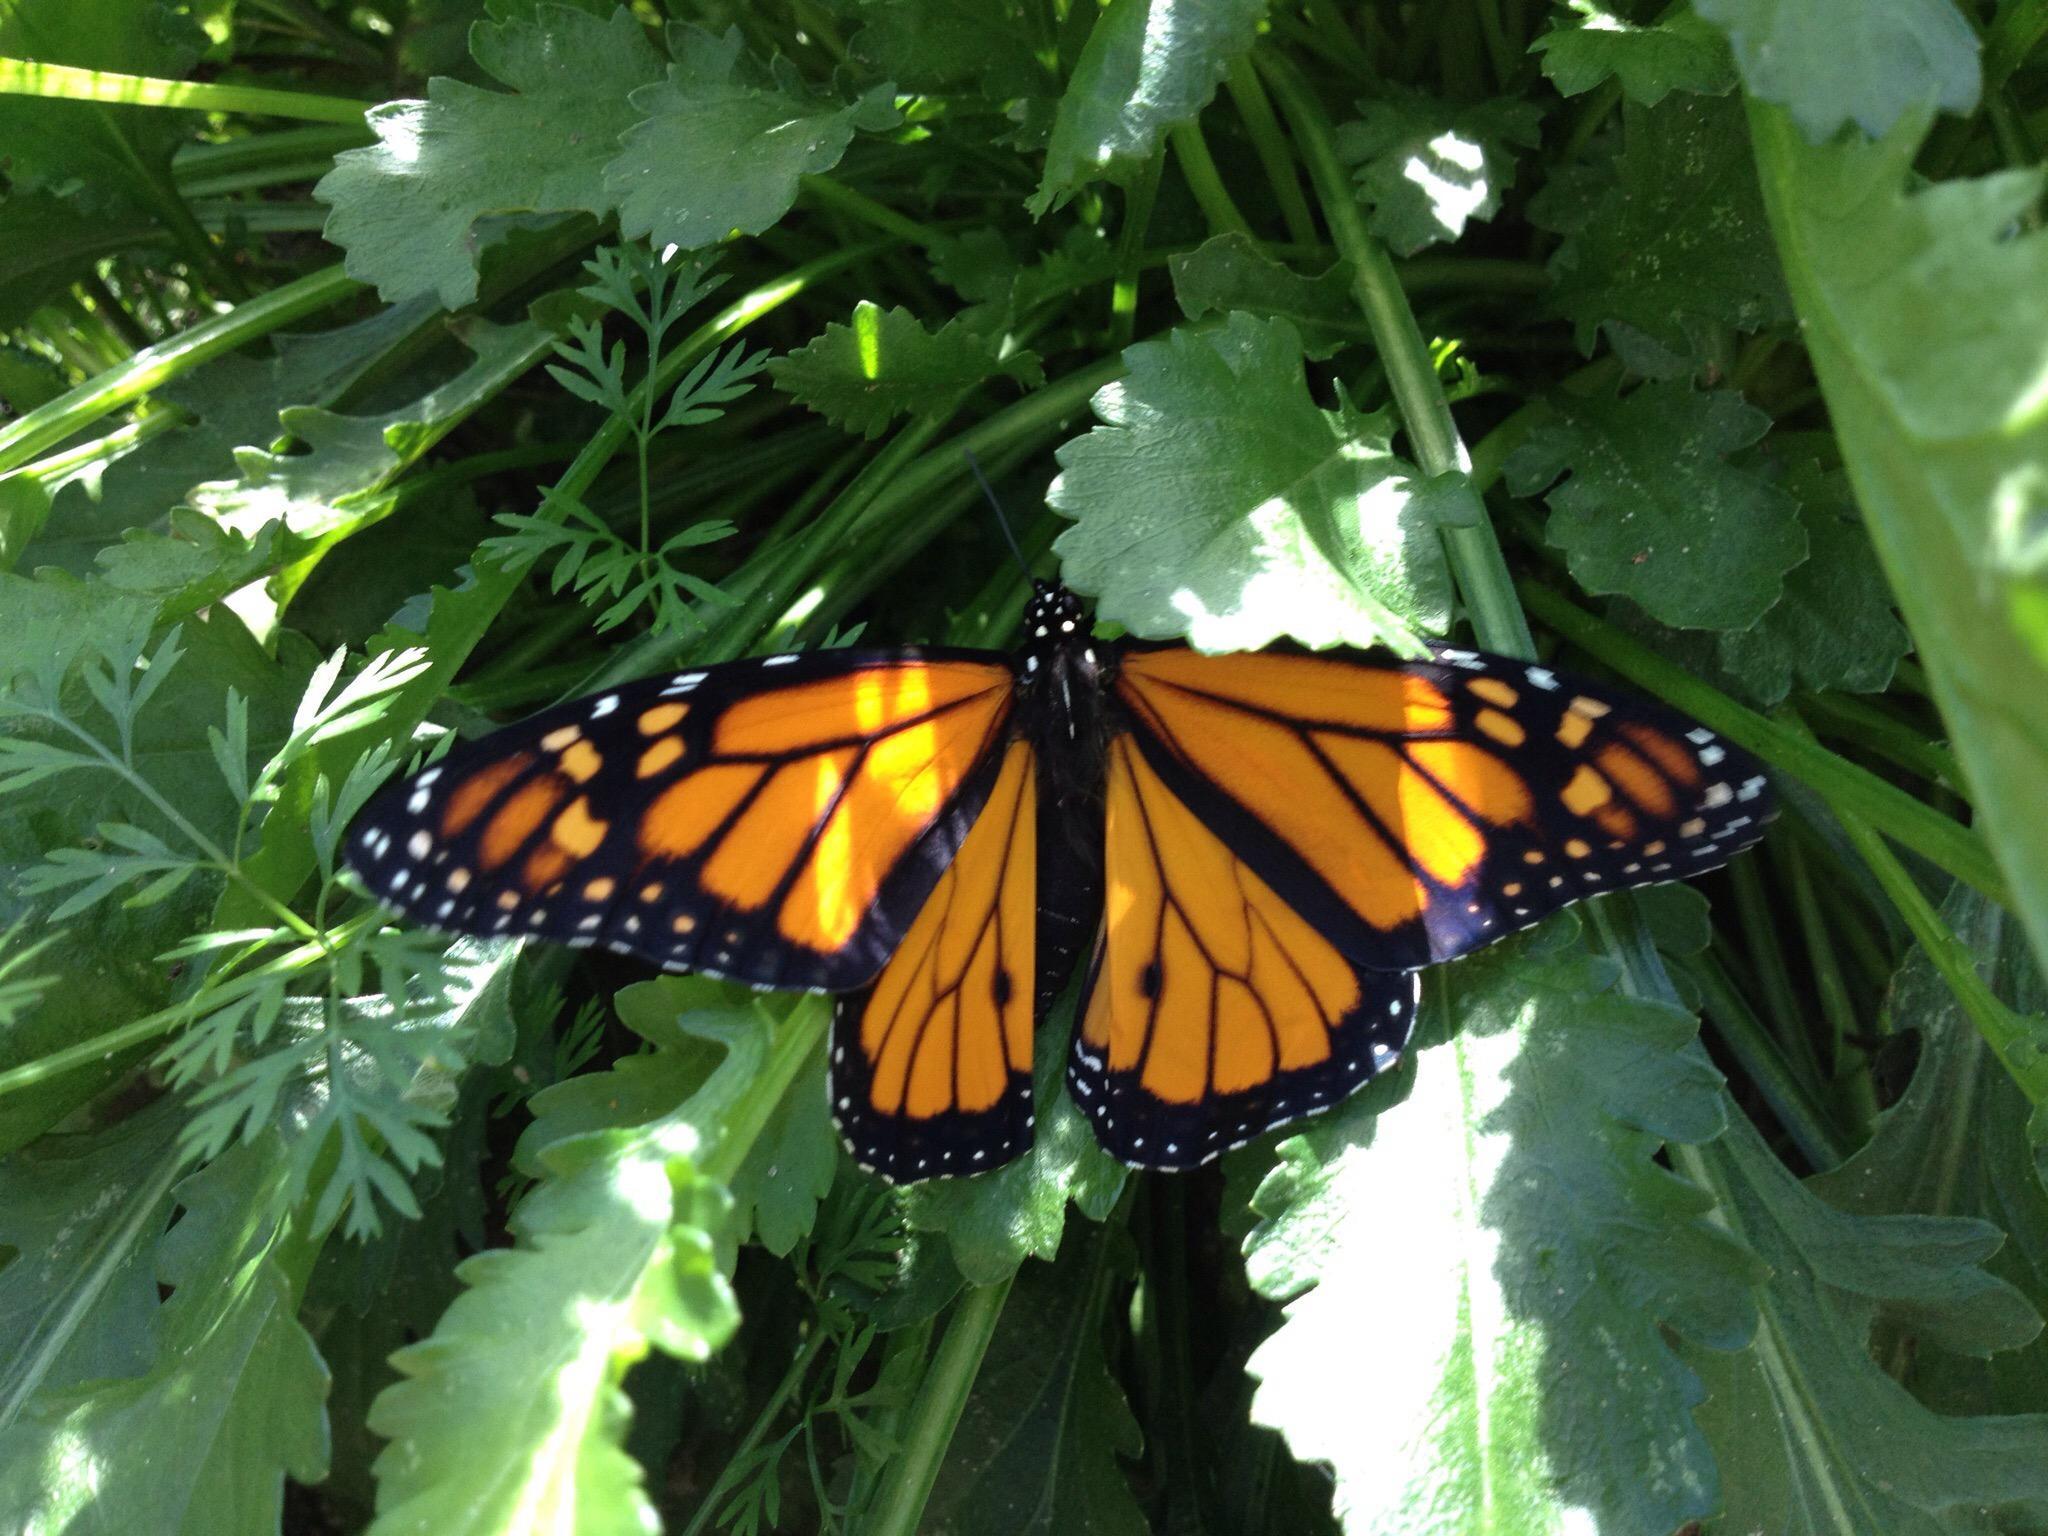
<point x="1259" y="851"/>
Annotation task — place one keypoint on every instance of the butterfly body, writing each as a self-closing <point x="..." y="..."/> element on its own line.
<point x="1255" y="853"/>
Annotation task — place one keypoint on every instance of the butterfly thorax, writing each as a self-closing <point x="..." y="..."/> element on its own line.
<point x="1063" y="705"/>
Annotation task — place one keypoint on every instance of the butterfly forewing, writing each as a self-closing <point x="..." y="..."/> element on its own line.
<point x="780" y="822"/>
<point x="1412" y="812"/>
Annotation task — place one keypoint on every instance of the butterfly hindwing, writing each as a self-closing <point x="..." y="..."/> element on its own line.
<point x="778" y="821"/>
<point x="1214" y="1011"/>
<point x="1413" y="811"/>
<point x="931" y="1066"/>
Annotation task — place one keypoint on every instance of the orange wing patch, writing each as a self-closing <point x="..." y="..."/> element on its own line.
<point x="931" y="1067"/>
<point x="1216" y="1010"/>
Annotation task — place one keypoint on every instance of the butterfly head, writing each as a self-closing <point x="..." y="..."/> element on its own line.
<point x="1055" y="623"/>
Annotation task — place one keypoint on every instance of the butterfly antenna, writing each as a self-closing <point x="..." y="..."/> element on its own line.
<point x="1002" y="521"/>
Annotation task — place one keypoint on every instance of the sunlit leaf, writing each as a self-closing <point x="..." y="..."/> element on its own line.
<point x="510" y="1419"/>
<point x="1149" y="66"/>
<point x="1831" y="62"/>
<point x="1218" y="502"/>
<point x="1427" y="167"/>
<point x="1678" y="52"/>
<point x="723" y="143"/>
<point x="233" y="1399"/>
<point x="864" y="375"/>
<point x="1926" y="314"/>
<point x="1505" y="1250"/>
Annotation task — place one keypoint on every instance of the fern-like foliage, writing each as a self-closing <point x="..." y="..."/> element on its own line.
<point x="588" y="555"/>
<point x="338" y="1028"/>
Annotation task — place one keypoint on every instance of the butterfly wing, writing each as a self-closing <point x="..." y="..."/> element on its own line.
<point x="1215" y="1011"/>
<point x="1413" y="811"/>
<point x="778" y="821"/>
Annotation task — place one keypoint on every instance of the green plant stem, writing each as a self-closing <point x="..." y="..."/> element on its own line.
<point x="1805" y="1119"/>
<point x="1270" y="144"/>
<point x="881" y="496"/>
<point x="605" y="443"/>
<point x="108" y="306"/>
<point x="1198" y="170"/>
<point x="899" y="1506"/>
<point x="318" y="28"/>
<point x="77" y="409"/>
<point x="771" y="1410"/>
<point x="883" y="548"/>
<point x="25" y="77"/>
<point x="1773" y="977"/>
<point x="2017" y="1044"/>
<point x="162" y="1021"/>
<point x="1474" y="552"/>
<point x="1848" y="789"/>
<point x="1500" y="53"/>
<point x="254" y="151"/>
<point x="1893" y="740"/>
<point x="835" y="194"/>
<point x="1851" y="1066"/>
<point x="1123" y="293"/>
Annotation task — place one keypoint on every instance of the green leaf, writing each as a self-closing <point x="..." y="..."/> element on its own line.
<point x="405" y="208"/>
<point x="234" y="402"/>
<point x="941" y="45"/>
<point x="1926" y="316"/>
<point x="338" y="483"/>
<point x="790" y="1167"/>
<point x="1233" y="271"/>
<point x="1825" y="1440"/>
<point x="511" y="1418"/>
<point x="1676" y="242"/>
<point x="1219" y="502"/>
<point x="1956" y="1144"/>
<point x="885" y="364"/>
<point x="1038" y="1444"/>
<point x="1831" y="62"/>
<point x="201" y="1442"/>
<point x="109" y="957"/>
<point x="1835" y="627"/>
<point x="724" y="143"/>
<point x="995" y="1221"/>
<point x="47" y="244"/>
<point x="1678" y="53"/>
<point x="1427" y="167"/>
<point x="79" y="1213"/>
<point x="1148" y="67"/>
<point x="705" y="1038"/>
<point x="1484" y="1243"/>
<point x="1654" y="509"/>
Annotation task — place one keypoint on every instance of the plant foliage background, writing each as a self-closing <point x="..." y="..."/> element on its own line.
<point x="378" y="370"/>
